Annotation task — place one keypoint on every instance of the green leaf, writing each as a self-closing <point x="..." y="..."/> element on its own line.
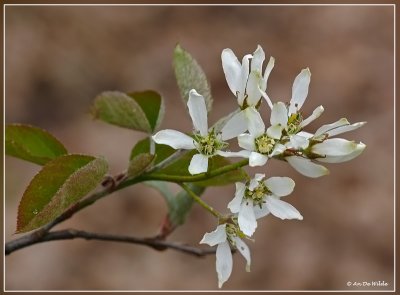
<point x="120" y="109"/>
<point x="189" y="75"/>
<point x="180" y="167"/>
<point x="32" y="144"/>
<point x="152" y="105"/>
<point x="139" y="164"/>
<point x="162" y="151"/>
<point x="179" y="205"/>
<point x="61" y="183"/>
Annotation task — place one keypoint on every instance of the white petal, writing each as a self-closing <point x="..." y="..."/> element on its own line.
<point x="253" y="88"/>
<point x="275" y="131"/>
<point x="246" y="141"/>
<point x="235" y="126"/>
<point x="260" y="212"/>
<point x="244" y="75"/>
<point x="215" y="237"/>
<point x="282" y="209"/>
<point x="346" y="128"/>
<point x="334" y="147"/>
<point x="244" y="250"/>
<point x="316" y="113"/>
<point x="223" y="263"/>
<point x="267" y="72"/>
<point x="298" y="142"/>
<point x="246" y="219"/>
<point x="175" y="139"/>
<point x="279" y="114"/>
<point x="240" y="154"/>
<point x="299" y="90"/>
<point x="328" y="127"/>
<point x="278" y="149"/>
<point x="280" y="186"/>
<point x="254" y="122"/>
<point x="256" y="180"/>
<point x="198" y="112"/>
<point x="232" y="69"/>
<point x="257" y="159"/>
<point x="306" y="167"/>
<point x="339" y="159"/>
<point x="266" y="97"/>
<point x="258" y="59"/>
<point x="198" y="164"/>
<point x="234" y="205"/>
<point x="305" y="134"/>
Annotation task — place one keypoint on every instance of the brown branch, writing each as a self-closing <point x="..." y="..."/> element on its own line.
<point x="69" y="234"/>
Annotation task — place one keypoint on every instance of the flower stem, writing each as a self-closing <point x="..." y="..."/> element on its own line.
<point x="200" y="201"/>
<point x="185" y="178"/>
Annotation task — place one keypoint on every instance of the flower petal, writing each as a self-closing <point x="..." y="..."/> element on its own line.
<point x="298" y="142"/>
<point x="223" y="263"/>
<point x="244" y="250"/>
<point x="232" y="69"/>
<point x="246" y="141"/>
<point x="266" y="97"/>
<point x="329" y="127"/>
<point x="315" y="114"/>
<point x="339" y="159"/>
<point x="255" y="123"/>
<point x="215" y="237"/>
<point x="198" y="164"/>
<point x="299" y="90"/>
<point x="275" y="131"/>
<point x="282" y="209"/>
<point x="260" y="212"/>
<point x="257" y="159"/>
<point x="305" y="134"/>
<point x="306" y="167"/>
<point x="280" y="186"/>
<point x="346" y="128"/>
<point x="241" y="154"/>
<point x="334" y="147"/>
<point x="267" y="72"/>
<point x="278" y="149"/>
<point x="234" y="205"/>
<point x="235" y="126"/>
<point x="244" y="75"/>
<point x="253" y="88"/>
<point x="246" y="219"/>
<point x="198" y="112"/>
<point x="279" y="114"/>
<point x="175" y="139"/>
<point x="256" y="180"/>
<point x="258" y="59"/>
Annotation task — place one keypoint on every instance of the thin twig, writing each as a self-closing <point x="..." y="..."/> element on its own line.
<point x="70" y="234"/>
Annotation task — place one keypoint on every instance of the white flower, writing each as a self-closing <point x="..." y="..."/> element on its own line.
<point x="326" y="149"/>
<point x="260" y="197"/>
<point x="247" y="83"/>
<point x="225" y="235"/>
<point x="206" y="142"/>
<point x="257" y="144"/>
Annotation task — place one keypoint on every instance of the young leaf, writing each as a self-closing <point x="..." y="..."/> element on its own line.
<point x="120" y="109"/>
<point x="152" y="105"/>
<point x="139" y="164"/>
<point x="32" y="144"/>
<point x="162" y="151"/>
<point x="61" y="183"/>
<point x="189" y="75"/>
<point x="179" y="205"/>
<point x="180" y="167"/>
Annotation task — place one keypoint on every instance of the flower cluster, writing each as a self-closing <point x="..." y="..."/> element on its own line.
<point x="284" y="139"/>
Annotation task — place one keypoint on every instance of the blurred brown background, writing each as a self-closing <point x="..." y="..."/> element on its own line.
<point x="59" y="58"/>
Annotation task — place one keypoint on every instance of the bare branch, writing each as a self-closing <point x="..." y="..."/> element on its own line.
<point x="69" y="234"/>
